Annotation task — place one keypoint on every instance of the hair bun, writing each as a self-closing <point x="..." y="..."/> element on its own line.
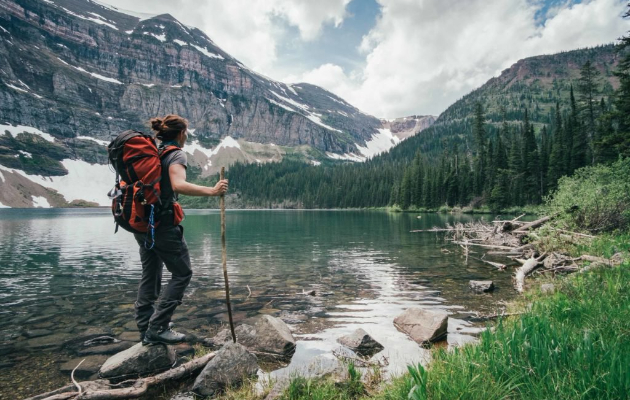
<point x="157" y="124"/>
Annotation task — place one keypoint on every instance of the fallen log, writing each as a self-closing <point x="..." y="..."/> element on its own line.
<point x="488" y="246"/>
<point x="533" y="224"/>
<point x="137" y="389"/>
<point x="523" y="271"/>
<point x="494" y="264"/>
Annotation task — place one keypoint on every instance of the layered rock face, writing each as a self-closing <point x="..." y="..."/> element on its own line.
<point x="77" y="68"/>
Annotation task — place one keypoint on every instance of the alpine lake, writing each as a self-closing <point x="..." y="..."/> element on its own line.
<point x="63" y="272"/>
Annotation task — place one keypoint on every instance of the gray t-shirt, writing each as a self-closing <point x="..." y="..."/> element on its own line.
<point x="174" y="157"/>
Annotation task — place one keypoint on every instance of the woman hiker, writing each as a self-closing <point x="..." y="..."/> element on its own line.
<point x="154" y="308"/>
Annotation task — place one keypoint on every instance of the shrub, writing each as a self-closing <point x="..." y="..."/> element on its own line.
<point x="595" y="199"/>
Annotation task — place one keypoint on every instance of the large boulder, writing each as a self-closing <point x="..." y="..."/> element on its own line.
<point x="267" y="337"/>
<point x="229" y="367"/>
<point x="422" y="325"/>
<point x="361" y="343"/>
<point x="139" y="360"/>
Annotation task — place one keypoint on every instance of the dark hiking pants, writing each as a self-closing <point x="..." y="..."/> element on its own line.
<point x="153" y="306"/>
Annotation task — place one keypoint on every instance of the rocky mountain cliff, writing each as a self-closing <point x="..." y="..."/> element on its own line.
<point x="535" y="84"/>
<point x="74" y="73"/>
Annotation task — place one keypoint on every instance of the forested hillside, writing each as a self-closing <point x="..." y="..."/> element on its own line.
<point x="504" y="144"/>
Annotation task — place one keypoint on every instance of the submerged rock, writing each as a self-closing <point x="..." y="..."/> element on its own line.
<point x="139" y="360"/>
<point x="481" y="286"/>
<point x="361" y="343"/>
<point x="33" y="333"/>
<point x="111" y="348"/>
<point x="89" y="367"/>
<point x="422" y="325"/>
<point x="268" y="337"/>
<point x="230" y="366"/>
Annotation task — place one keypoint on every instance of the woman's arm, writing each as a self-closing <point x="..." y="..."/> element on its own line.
<point x="177" y="173"/>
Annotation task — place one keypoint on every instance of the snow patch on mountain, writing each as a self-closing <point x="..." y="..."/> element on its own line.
<point x="40" y="202"/>
<point x="101" y="142"/>
<point x="95" y="75"/>
<point x="161" y="38"/>
<point x="84" y="181"/>
<point x="15" y="130"/>
<point x="207" y="53"/>
<point x="139" y="15"/>
<point x="380" y="142"/>
<point x="96" y="20"/>
<point x="280" y="105"/>
<point x="346" y="157"/>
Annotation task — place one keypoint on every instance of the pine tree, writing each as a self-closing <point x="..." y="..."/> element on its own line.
<point x="545" y="150"/>
<point x="579" y="139"/>
<point x="556" y="157"/>
<point x="588" y="90"/>
<point x="620" y="139"/>
<point x="479" y="134"/>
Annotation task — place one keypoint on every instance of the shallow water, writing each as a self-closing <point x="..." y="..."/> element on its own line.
<point x="64" y="271"/>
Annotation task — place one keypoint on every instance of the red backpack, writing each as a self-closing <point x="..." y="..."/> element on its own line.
<point x="136" y="203"/>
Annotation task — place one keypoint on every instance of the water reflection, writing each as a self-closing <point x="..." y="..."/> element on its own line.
<point x="64" y="271"/>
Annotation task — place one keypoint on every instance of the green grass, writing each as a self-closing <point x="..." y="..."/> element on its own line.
<point x="574" y="344"/>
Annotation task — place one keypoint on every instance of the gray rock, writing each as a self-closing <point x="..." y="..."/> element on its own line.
<point x="86" y="338"/>
<point x="129" y="336"/>
<point x="231" y="365"/>
<point x="481" y="286"/>
<point x="139" y="360"/>
<point x="422" y="325"/>
<point x="292" y="317"/>
<point x="361" y="343"/>
<point x="33" y="333"/>
<point x="547" y="288"/>
<point x="89" y="367"/>
<point x="112" y="348"/>
<point x="269" y="338"/>
<point x="47" y="342"/>
<point x="6" y="364"/>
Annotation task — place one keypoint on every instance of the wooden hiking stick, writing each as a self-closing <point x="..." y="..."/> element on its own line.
<point x="224" y="259"/>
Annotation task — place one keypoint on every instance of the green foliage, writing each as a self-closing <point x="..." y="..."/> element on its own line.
<point x="595" y="199"/>
<point x="572" y="345"/>
<point x="32" y="154"/>
<point x="301" y="388"/>
<point x="419" y="376"/>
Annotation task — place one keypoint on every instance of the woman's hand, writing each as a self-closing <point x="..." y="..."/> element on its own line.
<point x="221" y="187"/>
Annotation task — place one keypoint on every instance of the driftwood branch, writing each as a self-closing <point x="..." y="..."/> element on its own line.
<point x="72" y="377"/>
<point x="523" y="271"/>
<point x="137" y="389"/>
<point x="534" y="224"/>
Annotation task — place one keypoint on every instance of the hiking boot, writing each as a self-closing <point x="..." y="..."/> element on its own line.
<point x="162" y="335"/>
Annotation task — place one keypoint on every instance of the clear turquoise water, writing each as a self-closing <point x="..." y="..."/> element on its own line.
<point x="64" y="271"/>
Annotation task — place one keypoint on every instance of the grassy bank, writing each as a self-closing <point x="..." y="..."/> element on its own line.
<point x="574" y="344"/>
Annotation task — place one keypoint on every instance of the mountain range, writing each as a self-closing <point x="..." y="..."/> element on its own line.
<point x="75" y="73"/>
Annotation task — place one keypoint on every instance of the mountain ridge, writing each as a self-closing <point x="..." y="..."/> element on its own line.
<point x="74" y="73"/>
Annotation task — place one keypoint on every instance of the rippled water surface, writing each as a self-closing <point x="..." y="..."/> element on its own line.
<point x="64" y="271"/>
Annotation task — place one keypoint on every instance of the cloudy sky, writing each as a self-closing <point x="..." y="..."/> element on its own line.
<point x="393" y="58"/>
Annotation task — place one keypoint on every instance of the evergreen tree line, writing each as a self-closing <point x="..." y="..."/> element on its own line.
<point x="469" y="161"/>
<point x="518" y="166"/>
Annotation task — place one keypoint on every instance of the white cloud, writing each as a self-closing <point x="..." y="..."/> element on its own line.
<point x="420" y="57"/>
<point x="423" y="55"/>
<point x="248" y="30"/>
